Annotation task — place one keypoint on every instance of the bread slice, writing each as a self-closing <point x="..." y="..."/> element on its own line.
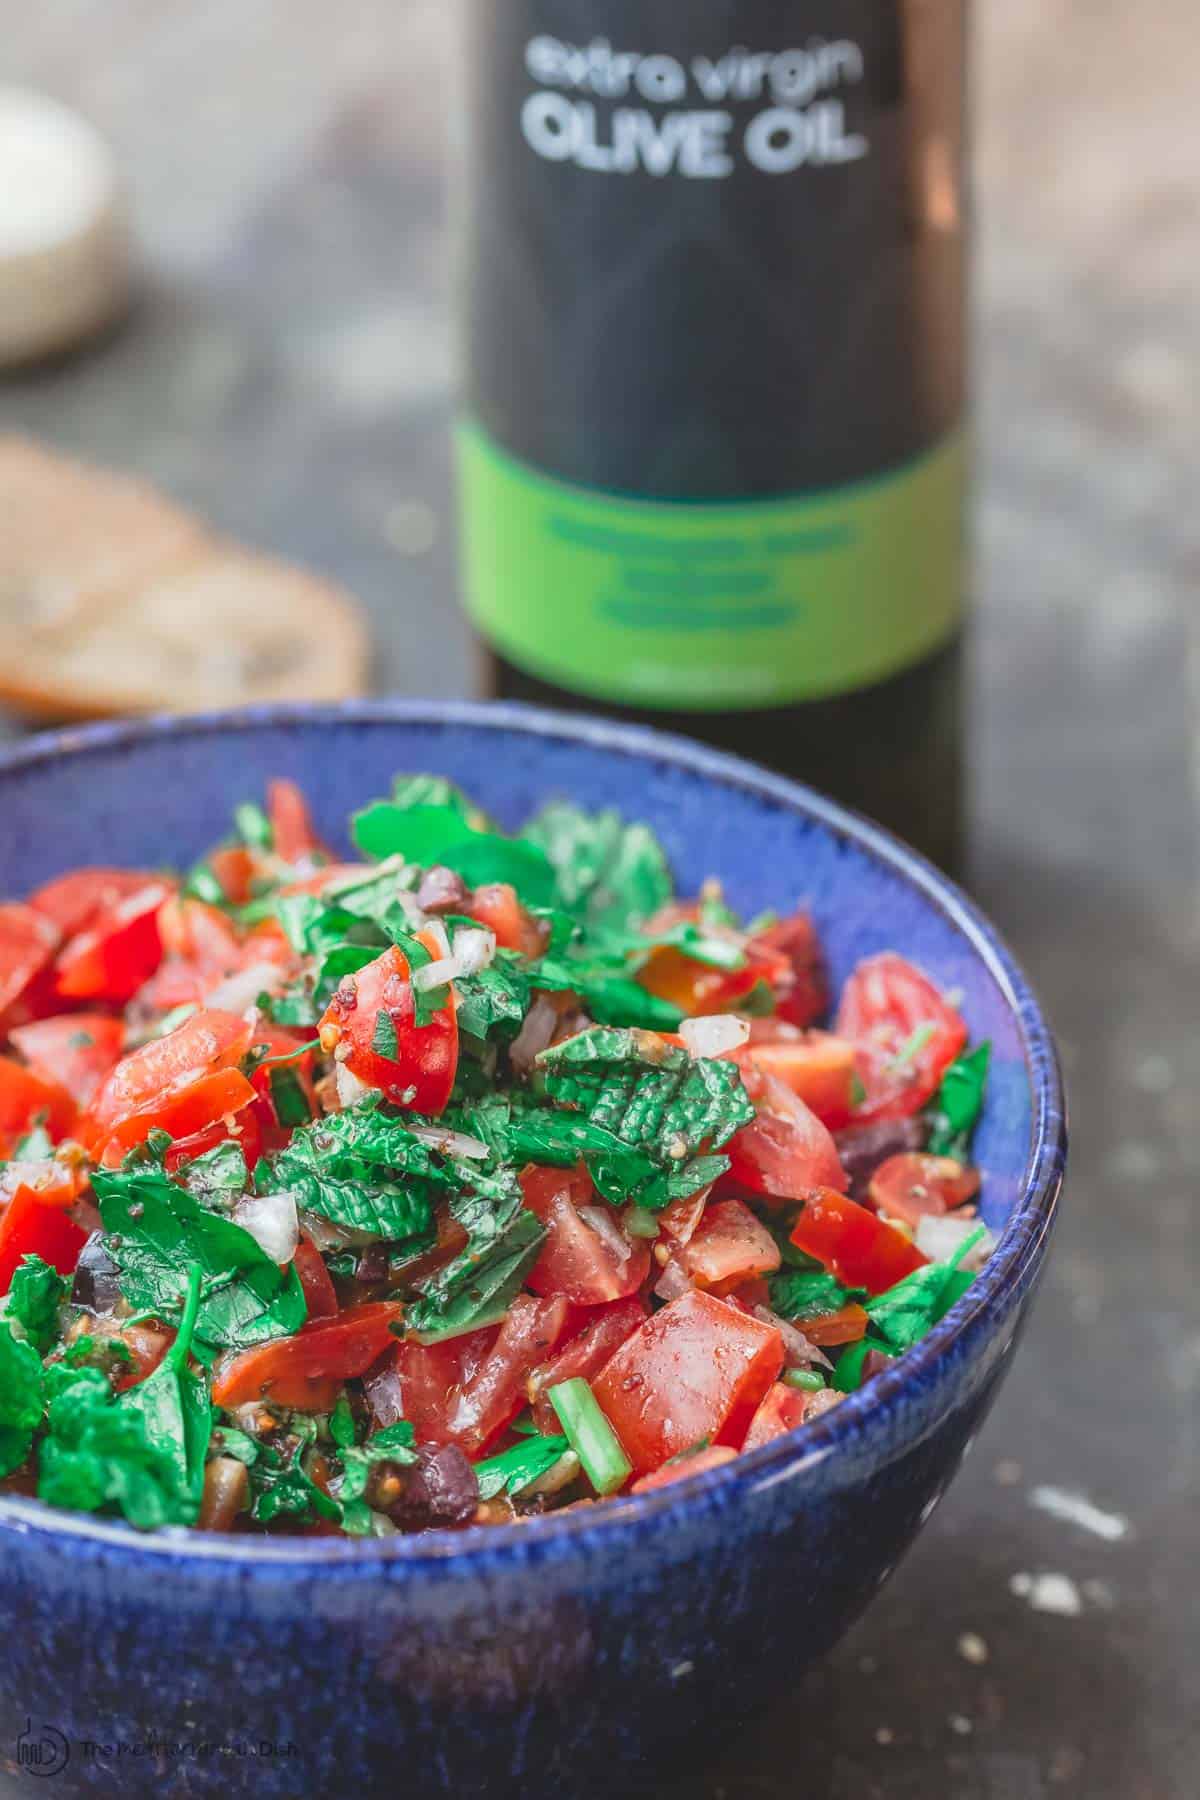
<point x="113" y="600"/>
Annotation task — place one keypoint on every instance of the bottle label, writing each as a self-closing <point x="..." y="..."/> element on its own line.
<point x="713" y="453"/>
<point x="713" y="606"/>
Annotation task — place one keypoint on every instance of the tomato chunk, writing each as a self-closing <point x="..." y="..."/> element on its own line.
<point x="785" y="1150"/>
<point x="74" y="900"/>
<point x="372" y="1014"/>
<point x="78" y="1050"/>
<point x="30" y="1228"/>
<point x="782" y="1409"/>
<point x="912" y="1185"/>
<point x="28" y="940"/>
<point x="861" y="1250"/>
<point x="729" y="1246"/>
<point x="905" y="1032"/>
<point x="117" y="951"/>
<point x="422" y="1382"/>
<point x="293" y="833"/>
<point x="300" y="1371"/>
<point x="496" y="905"/>
<point x="27" y="1096"/>
<point x="845" y="1326"/>
<point x="577" y="1260"/>
<point x="802" y="994"/>
<point x="494" y="1395"/>
<point x="819" y="1068"/>
<point x="584" y="1354"/>
<point x="319" y="1293"/>
<point x="209" y="1040"/>
<point x="697" y="1369"/>
<point x="715" y="1457"/>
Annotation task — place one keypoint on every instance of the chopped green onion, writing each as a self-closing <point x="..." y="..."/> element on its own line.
<point x="809" y="1381"/>
<point x="253" y="826"/>
<point x="202" y="884"/>
<point x="909" y="1051"/>
<point x="590" y="1435"/>
<point x="639" y="1222"/>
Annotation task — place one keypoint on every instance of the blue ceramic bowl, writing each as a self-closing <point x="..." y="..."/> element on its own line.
<point x="512" y="1660"/>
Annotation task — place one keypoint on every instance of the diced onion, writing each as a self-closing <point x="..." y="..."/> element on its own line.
<point x="672" y="1282"/>
<point x="798" y="1353"/>
<point x="35" y="1175"/>
<point x="350" y="1090"/>
<point x="474" y="949"/>
<point x="715" y="1034"/>
<point x="606" y="1227"/>
<point x="241" y="989"/>
<point x="535" y="1035"/>
<point x="273" y="1223"/>
<point x="939" y="1235"/>
<point x="451" y="1143"/>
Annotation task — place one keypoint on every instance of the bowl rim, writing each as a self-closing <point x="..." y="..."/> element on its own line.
<point x="1021" y="1240"/>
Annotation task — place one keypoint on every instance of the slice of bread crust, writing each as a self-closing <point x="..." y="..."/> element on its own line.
<point x="114" y="600"/>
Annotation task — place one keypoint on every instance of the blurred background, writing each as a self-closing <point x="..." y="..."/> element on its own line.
<point x="287" y="371"/>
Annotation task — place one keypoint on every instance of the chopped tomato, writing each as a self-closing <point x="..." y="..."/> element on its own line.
<point x="861" y="1250"/>
<point x="372" y="1015"/>
<point x="786" y="1149"/>
<point x="117" y="950"/>
<point x="679" y="1220"/>
<point x="728" y="1247"/>
<point x="78" y="1050"/>
<point x="782" y="1409"/>
<point x="181" y="1083"/>
<point x="26" y="1096"/>
<point x="818" y="1067"/>
<point x="293" y="834"/>
<point x="209" y="1040"/>
<point x="28" y="1227"/>
<point x="698" y="989"/>
<point x="578" y="1261"/>
<point x="845" y="1326"/>
<point x="714" y="1457"/>
<point x="497" y="906"/>
<point x="696" y="1369"/>
<point x="198" y="932"/>
<point x="186" y="1111"/>
<point x="905" y="1033"/>
<point x="430" y="1378"/>
<point x="494" y="1395"/>
<point x="319" y="1294"/>
<point x="802" y="994"/>
<point x="235" y="867"/>
<point x="912" y="1185"/>
<point x="73" y="901"/>
<point x="147" y="1346"/>
<point x="306" y="1371"/>
<point x="584" y="1354"/>
<point x="28" y="940"/>
<point x="243" y="1129"/>
<point x="451" y="1238"/>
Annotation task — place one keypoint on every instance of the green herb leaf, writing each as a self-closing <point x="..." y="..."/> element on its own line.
<point x="156" y="1230"/>
<point x="612" y="998"/>
<point x="800" y="1294"/>
<point x="504" y="1240"/>
<point x="363" y="1169"/>
<point x="496" y="999"/>
<point x="902" y="1315"/>
<point x="649" y="1094"/>
<point x="289" y="1493"/>
<point x="34" y="1298"/>
<point x="217" y="1177"/>
<point x="955" y="1111"/>
<point x="21" y="1397"/>
<point x="606" y="872"/>
<point x="101" y="1453"/>
<point x="435" y="790"/>
<point x="516" y="1469"/>
<point x="175" y="1409"/>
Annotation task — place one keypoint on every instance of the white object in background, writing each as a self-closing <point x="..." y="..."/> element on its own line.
<point x="64" y="256"/>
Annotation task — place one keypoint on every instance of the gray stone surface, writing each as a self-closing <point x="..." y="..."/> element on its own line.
<point x="289" y="371"/>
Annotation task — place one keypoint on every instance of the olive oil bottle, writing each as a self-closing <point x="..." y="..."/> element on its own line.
<point x="712" y="452"/>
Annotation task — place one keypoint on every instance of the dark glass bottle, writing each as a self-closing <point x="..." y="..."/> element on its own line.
<point x="712" y="454"/>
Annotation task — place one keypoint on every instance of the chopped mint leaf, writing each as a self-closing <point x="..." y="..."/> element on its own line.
<point x="954" y="1113"/>
<point x="156" y="1229"/>
<point x="606" y="873"/>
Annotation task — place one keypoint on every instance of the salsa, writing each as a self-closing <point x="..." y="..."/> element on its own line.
<point x="478" y="1176"/>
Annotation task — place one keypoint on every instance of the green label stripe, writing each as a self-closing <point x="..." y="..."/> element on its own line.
<point x="712" y="607"/>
